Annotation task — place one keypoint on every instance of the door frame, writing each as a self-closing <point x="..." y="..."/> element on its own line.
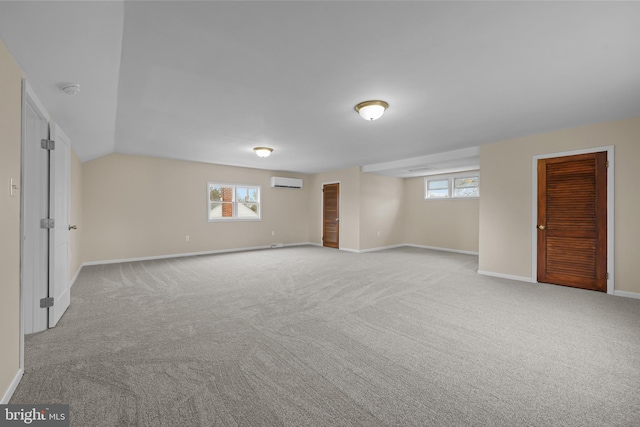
<point x="322" y="184"/>
<point x="59" y="173"/>
<point x="610" y="150"/>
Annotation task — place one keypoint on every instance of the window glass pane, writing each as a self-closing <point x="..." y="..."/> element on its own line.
<point x="241" y="194"/>
<point x="220" y="210"/>
<point x="438" y="194"/>
<point x="439" y="185"/>
<point x="438" y="189"/>
<point x="254" y="195"/>
<point x="220" y="193"/>
<point x="465" y="187"/>
<point x="215" y="193"/>
<point x="248" y="210"/>
<point x="247" y="194"/>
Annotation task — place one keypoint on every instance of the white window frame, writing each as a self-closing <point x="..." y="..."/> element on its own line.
<point x="450" y="178"/>
<point x="234" y="202"/>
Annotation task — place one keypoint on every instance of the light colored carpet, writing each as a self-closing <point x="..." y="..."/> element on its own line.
<point x="310" y="336"/>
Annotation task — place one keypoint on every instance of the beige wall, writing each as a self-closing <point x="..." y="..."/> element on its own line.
<point x="506" y="201"/>
<point x="75" y="216"/>
<point x="395" y="207"/>
<point x="10" y="164"/>
<point x="136" y="206"/>
<point x="381" y="211"/>
<point x="349" y="206"/>
<point x="449" y="224"/>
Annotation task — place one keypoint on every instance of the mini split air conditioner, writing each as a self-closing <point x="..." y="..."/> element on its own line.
<point x="279" y="182"/>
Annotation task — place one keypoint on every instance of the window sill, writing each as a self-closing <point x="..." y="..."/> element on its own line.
<point x="236" y="220"/>
<point x="450" y="198"/>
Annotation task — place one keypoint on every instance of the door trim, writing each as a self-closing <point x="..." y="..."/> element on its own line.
<point x="59" y="241"/>
<point x="610" y="149"/>
<point x="322" y="184"/>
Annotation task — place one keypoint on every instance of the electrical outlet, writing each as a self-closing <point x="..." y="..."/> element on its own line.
<point x="186" y="238"/>
<point x="273" y="233"/>
<point x="378" y="233"/>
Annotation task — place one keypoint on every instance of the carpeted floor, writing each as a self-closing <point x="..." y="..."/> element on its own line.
<point x="309" y="336"/>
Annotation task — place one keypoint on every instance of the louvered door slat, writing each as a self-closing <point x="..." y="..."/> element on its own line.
<point x="572" y="210"/>
<point x="331" y="215"/>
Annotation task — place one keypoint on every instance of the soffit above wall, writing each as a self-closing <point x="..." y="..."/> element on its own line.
<point x="434" y="164"/>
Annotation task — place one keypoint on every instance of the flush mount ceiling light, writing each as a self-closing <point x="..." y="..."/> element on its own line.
<point x="71" y="89"/>
<point x="263" y="151"/>
<point x="371" y="110"/>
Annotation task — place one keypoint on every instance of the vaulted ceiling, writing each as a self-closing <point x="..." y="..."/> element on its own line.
<point x="208" y="81"/>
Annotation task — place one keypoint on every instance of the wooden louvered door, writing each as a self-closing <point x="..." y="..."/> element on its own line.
<point x="331" y="215"/>
<point x="572" y="221"/>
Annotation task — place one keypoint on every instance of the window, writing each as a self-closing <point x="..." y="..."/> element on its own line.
<point x="465" y="187"/>
<point x="453" y="187"/>
<point x="227" y="202"/>
<point x="438" y="189"/>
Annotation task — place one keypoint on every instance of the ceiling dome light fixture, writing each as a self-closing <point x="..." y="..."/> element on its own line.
<point x="263" y="151"/>
<point x="71" y="89"/>
<point x="371" y="110"/>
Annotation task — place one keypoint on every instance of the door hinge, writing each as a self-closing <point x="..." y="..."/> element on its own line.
<point x="48" y="144"/>
<point x="607" y="163"/>
<point x="46" y="302"/>
<point x="47" y="223"/>
<point x="607" y="275"/>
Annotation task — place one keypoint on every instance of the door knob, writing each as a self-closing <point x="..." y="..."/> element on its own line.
<point x="541" y="227"/>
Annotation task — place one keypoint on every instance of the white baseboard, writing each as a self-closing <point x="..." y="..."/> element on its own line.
<point x="529" y="280"/>
<point x="355" y="251"/>
<point x="218" y="251"/>
<point x="253" y="248"/>
<point x="381" y="248"/>
<point x="435" y="248"/>
<point x="626" y="294"/>
<point x="304" y="244"/>
<point x="507" y="276"/>
<point x="12" y="387"/>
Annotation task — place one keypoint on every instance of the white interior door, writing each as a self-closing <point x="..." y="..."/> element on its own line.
<point x="35" y="206"/>
<point x="59" y="188"/>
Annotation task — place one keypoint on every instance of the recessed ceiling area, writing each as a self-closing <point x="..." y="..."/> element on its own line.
<point x="209" y="81"/>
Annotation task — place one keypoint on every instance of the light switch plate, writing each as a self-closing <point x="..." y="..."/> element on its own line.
<point x="13" y="188"/>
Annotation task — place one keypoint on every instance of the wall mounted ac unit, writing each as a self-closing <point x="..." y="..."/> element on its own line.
<point x="280" y="182"/>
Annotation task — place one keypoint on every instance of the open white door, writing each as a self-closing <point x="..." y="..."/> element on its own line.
<point x="35" y="207"/>
<point x="59" y="188"/>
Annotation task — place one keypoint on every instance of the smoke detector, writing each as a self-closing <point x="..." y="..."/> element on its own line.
<point x="71" y="89"/>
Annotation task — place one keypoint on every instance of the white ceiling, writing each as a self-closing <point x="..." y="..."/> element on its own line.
<point x="208" y="81"/>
